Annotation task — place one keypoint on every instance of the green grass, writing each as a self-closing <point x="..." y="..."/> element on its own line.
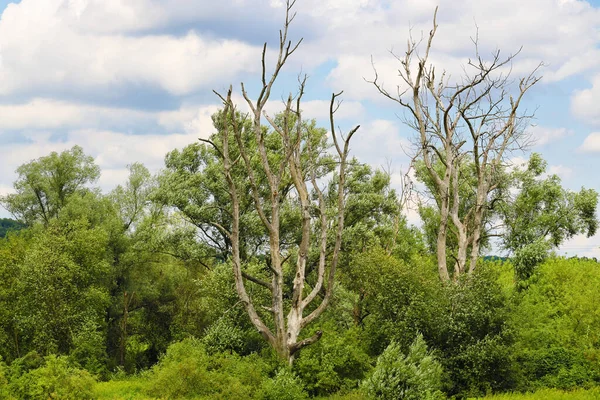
<point x="127" y="389"/>
<point x="550" y="394"/>
<point x="132" y="389"/>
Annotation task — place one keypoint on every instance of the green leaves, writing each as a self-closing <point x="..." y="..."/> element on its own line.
<point x="414" y="376"/>
<point x="44" y="185"/>
<point x="543" y="215"/>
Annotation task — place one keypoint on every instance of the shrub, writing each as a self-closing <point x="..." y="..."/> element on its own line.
<point x="54" y="380"/>
<point x="336" y="362"/>
<point x="416" y="376"/>
<point x="224" y="336"/>
<point x="284" y="386"/>
<point x="474" y="335"/>
<point x="187" y="370"/>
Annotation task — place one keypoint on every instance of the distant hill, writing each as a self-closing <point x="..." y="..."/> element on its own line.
<point x="7" y="224"/>
<point x="495" y="258"/>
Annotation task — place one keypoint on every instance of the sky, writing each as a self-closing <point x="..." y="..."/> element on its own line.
<point x="130" y="80"/>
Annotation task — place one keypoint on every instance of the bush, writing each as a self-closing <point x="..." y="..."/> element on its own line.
<point x="416" y="376"/>
<point x="187" y="371"/>
<point x="474" y="335"/>
<point x="336" y="362"/>
<point x="54" y="380"/>
<point x="224" y="336"/>
<point x="284" y="386"/>
<point x="557" y="325"/>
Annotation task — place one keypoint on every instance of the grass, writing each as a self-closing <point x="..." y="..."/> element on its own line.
<point x="132" y="389"/>
<point x="126" y="389"/>
<point x="549" y="394"/>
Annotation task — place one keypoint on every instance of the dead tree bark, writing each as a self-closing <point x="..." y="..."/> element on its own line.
<point x="298" y="164"/>
<point x="475" y="120"/>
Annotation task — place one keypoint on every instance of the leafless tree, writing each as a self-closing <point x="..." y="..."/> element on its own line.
<point x="475" y="120"/>
<point x="297" y="162"/>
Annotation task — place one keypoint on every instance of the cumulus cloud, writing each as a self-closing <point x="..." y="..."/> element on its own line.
<point x="380" y="143"/>
<point x="542" y="135"/>
<point x="42" y="49"/>
<point x="83" y="126"/>
<point x="584" y="103"/>
<point x="591" y="144"/>
<point x="562" y="171"/>
<point x="112" y="151"/>
<point x="568" y="48"/>
<point x="46" y="113"/>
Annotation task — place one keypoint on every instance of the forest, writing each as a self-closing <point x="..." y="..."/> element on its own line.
<point x="265" y="261"/>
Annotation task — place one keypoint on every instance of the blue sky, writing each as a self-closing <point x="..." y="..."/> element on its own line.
<point x="129" y="80"/>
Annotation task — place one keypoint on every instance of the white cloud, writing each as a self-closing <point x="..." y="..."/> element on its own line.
<point x="45" y="113"/>
<point x="563" y="34"/>
<point x="581" y="246"/>
<point x="42" y="49"/>
<point x="380" y="144"/>
<point x="591" y="144"/>
<point x="542" y="135"/>
<point x="112" y="150"/>
<point x="516" y="162"/>
<point x="584" y="103"/>
<point x="560" y="170"/>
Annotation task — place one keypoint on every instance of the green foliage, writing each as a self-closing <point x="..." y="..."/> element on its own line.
<point x="543" y="215"/>
<point x="283" y="386"/>
<point x="336" y="362"/>
<point x="68" y="262"/>
<point x="558" y="325"/>
<point x="395" y="299"/>
<point x="45" y="185"/>
<point x="224" y="336"/>
<point x="187" y="371"/>
<point x="550" y="394"/>
<point x="8" y="225"/>
<point x="474" y="335"/>
<point x="414" y="376"/>
<point x="54" y="379"/>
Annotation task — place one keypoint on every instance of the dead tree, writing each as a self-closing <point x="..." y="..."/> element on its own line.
<point x="297" y="163"/>
<point x="475" y="120"/>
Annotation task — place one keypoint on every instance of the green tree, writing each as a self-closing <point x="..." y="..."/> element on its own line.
<point x="44" y="185"/>
<point x="7" y="225"/>
<point x="414" y="376"/>
<point x="543" y="215"/>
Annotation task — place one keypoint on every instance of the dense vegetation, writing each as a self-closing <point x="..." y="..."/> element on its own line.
<point x="264" y="262"/>
<point x="7" y="224"/>
<point x="125" y="295"/>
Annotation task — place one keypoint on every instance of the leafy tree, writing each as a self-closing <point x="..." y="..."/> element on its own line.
<point x="55" y="378"/>
<point x="284" y="385"/>
<point x="557" y="325"/>
<point x="543" y="215"/>
<point x="7" y="225"/>
<point x="44" y="185"/>
<point x="414" y="376"/>
<point x="66" y="272"/>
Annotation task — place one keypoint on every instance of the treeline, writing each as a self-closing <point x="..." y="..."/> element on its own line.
<point x="104" y="286"/>
<point x="7" y="224"/>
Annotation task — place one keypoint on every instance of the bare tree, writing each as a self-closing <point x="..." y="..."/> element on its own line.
<point x="475" y="120"/>
<point x="297" y="162"/>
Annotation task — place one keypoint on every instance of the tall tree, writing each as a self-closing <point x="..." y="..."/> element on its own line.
<point x="287" y="156"/>
<point x="543" y="215"/>
<point x="475" y="119"/>
<point x="44" y="185"/>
